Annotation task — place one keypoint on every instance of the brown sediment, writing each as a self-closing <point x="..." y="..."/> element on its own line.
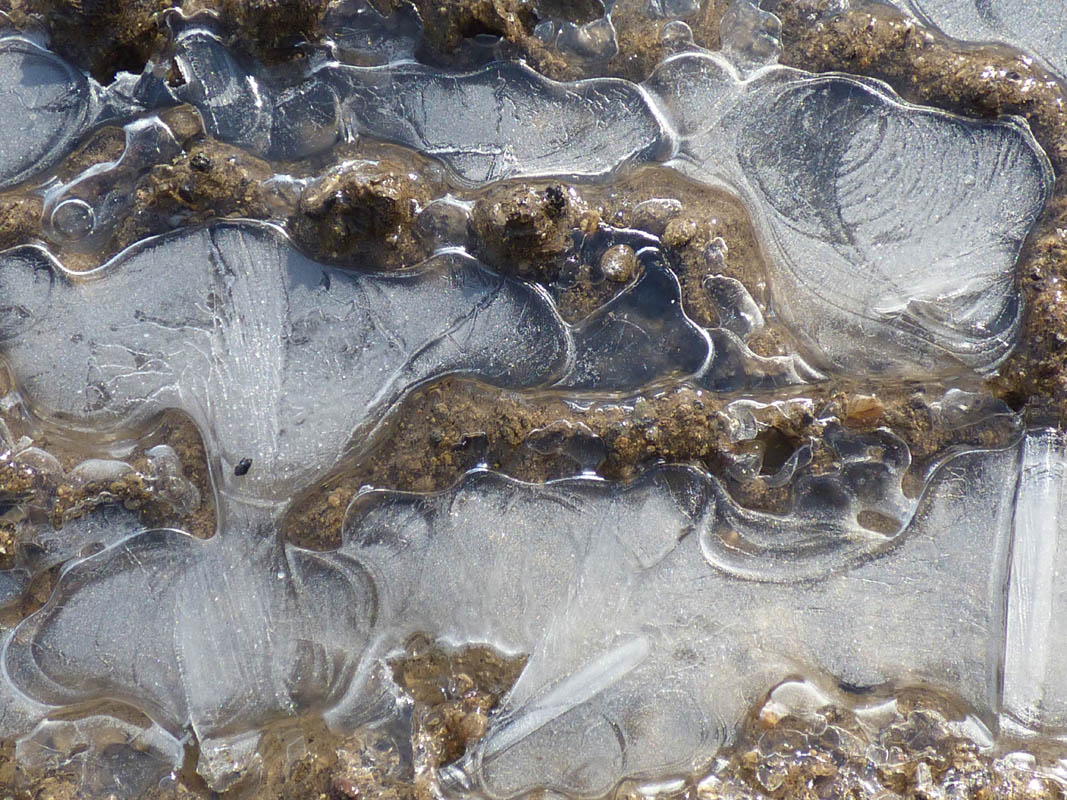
<point x="100" y="36"/>
<point x="1036" y="374"/>
<point x="451" y="25"/>
<point x="531" y="230"/>
<point x="911" y="748"/>
<point x="363" y="214"/>
<point x="7" y="543"/>
<point x="206" y="181"/>
<point x="104" y="37"/>
<point x="926" y="67"/>
<point x="20" y="219"/>
<point x="60" y="500"/>
<point x="454" y="690"/>
<point x="441" y="431"/>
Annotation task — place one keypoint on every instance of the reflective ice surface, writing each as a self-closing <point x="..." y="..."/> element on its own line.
<point x="1037" y="28"/>
<point x="654" y="612"/>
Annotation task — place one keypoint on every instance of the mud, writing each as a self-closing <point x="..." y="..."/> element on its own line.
<point x="441" y="431"/>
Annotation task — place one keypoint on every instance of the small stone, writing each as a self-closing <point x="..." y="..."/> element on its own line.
<point x="619" y="263"/>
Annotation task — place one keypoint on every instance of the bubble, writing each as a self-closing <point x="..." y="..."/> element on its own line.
<point x="677" y="36"/>
<point x="73" y="219"/>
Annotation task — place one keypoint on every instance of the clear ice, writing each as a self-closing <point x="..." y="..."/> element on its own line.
<point x="1037" y="28"/>
<point x="654" y="613"/>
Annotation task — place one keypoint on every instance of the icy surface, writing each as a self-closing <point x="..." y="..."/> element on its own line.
<point x="1035" y="676"/>
<point x="657" y="613"/>
<point x="885" y="222"/>
<point x="278" y="359"/>
<point x="654" y="613"/>
<point x="504" y="121"/>
<point x="44" y="105"/>
<point x="1037" y="28"/>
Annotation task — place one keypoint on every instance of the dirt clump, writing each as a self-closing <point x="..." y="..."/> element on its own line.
<point x="363" y="213"/>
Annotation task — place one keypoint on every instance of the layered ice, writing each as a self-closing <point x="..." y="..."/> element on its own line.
<point x="655" y="614"/>
<point x="279" y="361"/>
<point x="884" y="222"/>
<point x="892" y="230"/>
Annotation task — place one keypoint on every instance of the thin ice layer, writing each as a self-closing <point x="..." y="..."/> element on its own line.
<point x="646" y="646"/>
<point x="223" y="635"/>
<point x="503" y="121"/>
<point x="278" y="359"/>
<point x="1037" y="28"/>
<point x="44" y="104"/>
<point x="892" y="230"/>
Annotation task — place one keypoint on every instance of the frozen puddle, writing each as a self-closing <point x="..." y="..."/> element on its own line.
<point x="656" y="612"/>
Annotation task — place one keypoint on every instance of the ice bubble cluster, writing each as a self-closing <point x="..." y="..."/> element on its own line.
<point x="654" y="612"/>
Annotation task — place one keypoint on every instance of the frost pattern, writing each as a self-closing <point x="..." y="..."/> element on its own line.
<point x="1035" y="676"/>
<point x="279" y="360"/>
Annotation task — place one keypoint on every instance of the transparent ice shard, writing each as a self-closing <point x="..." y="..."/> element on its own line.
<point x="278" y="359"/>
<point x="1037" y="28"/>
<point x="645" y="648"/>
<point x="503" y="121"/>
<point x="44" y="104"/>
<point x="1035" y="672"/>
<point x="892" y="230"/>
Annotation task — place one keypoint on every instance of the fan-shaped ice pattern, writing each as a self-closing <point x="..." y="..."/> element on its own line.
<point x="1037" y="28"/>
<point x="645" y="652"/>
<point x="892" y="229"/>
<point x="278" y="359"/>
<point x="44" y="105"/>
